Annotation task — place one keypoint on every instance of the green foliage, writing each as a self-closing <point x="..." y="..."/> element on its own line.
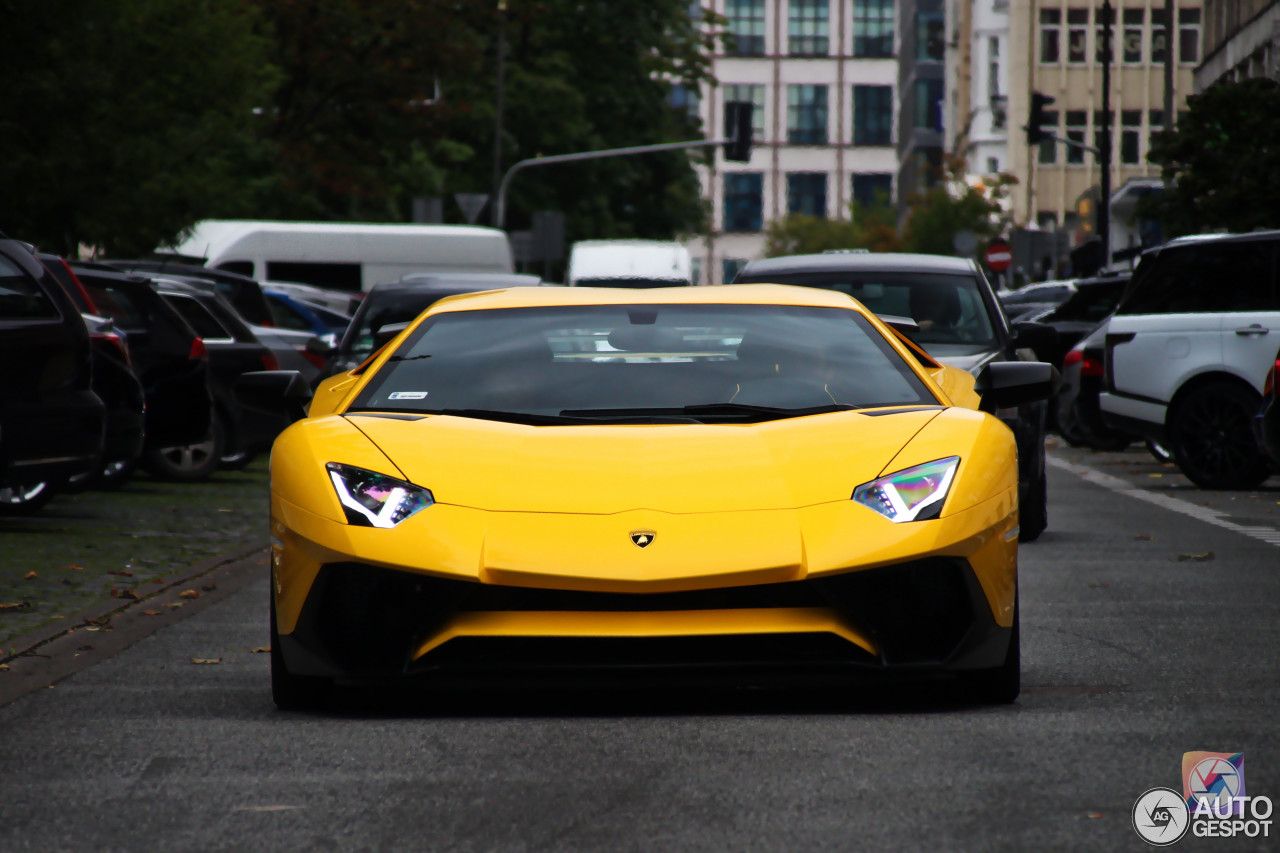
<point x="1221" y="164"/>
<point x="122" y="121"/>
<point x="937" y="214"/>
<point x="870" y="228"/>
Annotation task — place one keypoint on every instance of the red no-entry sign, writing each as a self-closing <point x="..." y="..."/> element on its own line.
<point x="998" y="256"/>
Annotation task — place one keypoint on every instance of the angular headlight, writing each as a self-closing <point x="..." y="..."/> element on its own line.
<point x="375" y="500"/>
<point x="915" y="494"/>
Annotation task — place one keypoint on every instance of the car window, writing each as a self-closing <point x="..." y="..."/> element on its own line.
<point x="117" y="304"/>
<point x="205" y="324"/>
<point x="948" y="308"/>
<point x="1090" y="304"/>
<point x="382" y="308"/>
<point x="569" y="359"/>
<point x="1206" y="278"/>
<point x="21" y="298"/>
<point x="287" y="316"/>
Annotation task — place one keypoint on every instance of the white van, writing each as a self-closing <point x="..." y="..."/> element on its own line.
<point x="344" y="256"/>
<point x="628" y="263"/>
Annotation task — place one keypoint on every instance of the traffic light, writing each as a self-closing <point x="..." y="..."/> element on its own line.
<point x="737" y="129"/>
<point x="1035" y="135"/>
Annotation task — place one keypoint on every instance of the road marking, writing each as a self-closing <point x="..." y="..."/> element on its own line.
<point x="1202" y="513"/>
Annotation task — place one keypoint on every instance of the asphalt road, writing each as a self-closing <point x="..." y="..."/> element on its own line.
<point x="1149" y="629"/>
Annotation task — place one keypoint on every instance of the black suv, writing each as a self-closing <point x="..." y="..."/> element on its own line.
<point x="960" y="323"/>
<point x="51" y="421"/>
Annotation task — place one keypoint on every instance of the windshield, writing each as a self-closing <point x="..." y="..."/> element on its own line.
<point x="384" y="309"/>
<point x="643" y="364"/>
<point x="948" y="308"/>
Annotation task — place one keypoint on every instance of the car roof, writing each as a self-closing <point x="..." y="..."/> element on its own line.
<point x="856" y="261"/>
<point x="482" y="279"/>
<point x="1222" y="238"/>
<point x="723" y="294"/>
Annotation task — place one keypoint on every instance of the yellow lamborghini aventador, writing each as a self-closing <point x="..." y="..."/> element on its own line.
<point x="751" y="476"/>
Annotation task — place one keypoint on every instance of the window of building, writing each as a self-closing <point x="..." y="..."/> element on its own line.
<point x="1130" y="136"/>
<point x="931" y="37"/>
<point x="873" y="190"/>
<point x="730" y="267"/>
<point x="1077" y="34"/>
<point x="746" y="25"/>
<point x="929" y="96"/>
<point x="1134" y="24"/>
<point x="807" y="114"/>
<point x="1189" y="36"/>
<point x="695" y="271"/>
<point x="807" y="193"/>
<point x="687" y="100"/>
<point x="872" y="115"/>
<point x="993" y="165"/>
<point x="993" y="68"/>
<point x="1159" y="35"/>
<point x="808" y="22"/>
<point x="1075" y="132"/>
<point x="1050" y="35"/>
<point x="743" y="201"/>
<point x="1102" y="46"/>
<point x="754" y="95"/>
<point x="1047" y="219"/>
<point x="1048" y="154"/>
<point x="873" y="28"/>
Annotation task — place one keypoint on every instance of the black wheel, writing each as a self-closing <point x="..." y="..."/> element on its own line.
<point x="291" y="692"/>
<point x="188" y="462"/>
<point x="236" y="461"/>
<point x="1002" y="684"/>
<point x="116" y="474"/>
<point x="1159" y="451"/>
<point x="1033" y="506"/>
<point x="1211" y="437"/>
<point x="24" y="498"/>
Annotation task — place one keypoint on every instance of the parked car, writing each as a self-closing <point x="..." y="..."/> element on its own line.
<point x="167" y="355"/>
<point x="1035" y="298"/>
<point x="960" y="323"/>
<point x="236" y="435"/>
<point x="1092" y="301"/>
<point x="628" y="263"/>
<point x="122" y="393"/>
<point x="1188" y="350"/>
<point x="51" y="421"/>
<point x="1078" y="419"/>
<point x="399" y="302"/>
<point x="343" y="301"/>
<point x="301" y="315"/>
<point x="241" y="291"/>
<point x="1267" y="421"/>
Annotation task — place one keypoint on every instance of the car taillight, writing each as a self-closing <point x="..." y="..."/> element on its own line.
<point x="1269" y="384"/>
<point x="112" y="341"/>
<point x="317" y="360"/>
<point x="1072" y="357"/>
<point x="199" y="352"/>
<point x="270" y="362"/>
<point x="1092" y="365"/>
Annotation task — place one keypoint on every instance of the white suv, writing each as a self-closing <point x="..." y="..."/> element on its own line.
<point x="1188" y="350"/>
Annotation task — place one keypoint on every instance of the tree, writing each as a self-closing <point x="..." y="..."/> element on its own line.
<point x="1221" y="165"/>
<point x="123" y="122"/>
<point x="953" y="205"/>
<point x="870" y="228"/>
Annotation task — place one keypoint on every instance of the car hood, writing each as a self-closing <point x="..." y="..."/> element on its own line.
<point x="677" y="468"/>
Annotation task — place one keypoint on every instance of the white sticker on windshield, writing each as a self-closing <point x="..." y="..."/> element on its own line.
<point x="407" y="395"/>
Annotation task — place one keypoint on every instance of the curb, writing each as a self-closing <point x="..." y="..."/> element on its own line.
<point x="48" y="654"/>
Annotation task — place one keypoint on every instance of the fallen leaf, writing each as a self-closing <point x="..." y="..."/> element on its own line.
<point x="121" y="572"/>
<point x="175" y="604"/>
<point x="30" y="576"/>
<point x="74" y="568"/>
<point x="4" y="667"/>
<point x="20" y="606"/>
<point x="1144" y="537"/>
<point x="104" y="620"/>
<point x="151" y="613"/>
<point x="1155" y="475"/>
<point x="1094" y="815"/>
<point x="188" y="593"/>
<point x="1195" y="558"/>
<point x="261" y="650"/>
<point x="206" y="660"/>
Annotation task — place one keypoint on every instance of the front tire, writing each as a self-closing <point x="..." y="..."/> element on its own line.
<point x="291" y="692"/>
<point x="25" y="498"/>
<point x="1211" y="437"/>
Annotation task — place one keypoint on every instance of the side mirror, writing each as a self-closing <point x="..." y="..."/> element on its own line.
<point x="279" y="393"/>
<point x="322" y="345"/>
<point x="1039" y="337"/>
<point x="1005" y="384"/>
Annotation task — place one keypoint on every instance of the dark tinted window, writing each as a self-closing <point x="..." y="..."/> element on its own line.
<point x="1206" y="277"/>
<point x="335" y="275"/>
<point x="20" y="296"/>
<point x="1091" y="303"/>
<point x="287" y="316"/>
<point x="117" y="304"/>
<point x="205" y="324"/>
<point x="595" y="359"/>
<point x="241" y="267"/>
<point x="384" y="308"/>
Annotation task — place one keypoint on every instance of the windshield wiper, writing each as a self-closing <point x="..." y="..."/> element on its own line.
<point x="702" y="411"/>
<point x="527" y="418"/>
